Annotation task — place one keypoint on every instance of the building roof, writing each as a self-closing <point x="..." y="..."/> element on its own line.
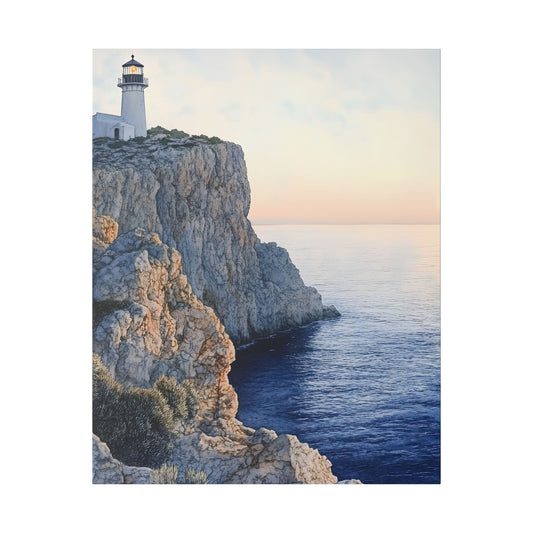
<point x="107" y="115"/>
<point x="132" y="63"/>
<point x="111" y="119"/>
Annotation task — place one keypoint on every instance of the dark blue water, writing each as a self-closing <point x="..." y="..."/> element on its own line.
<point x="363" y="388"/>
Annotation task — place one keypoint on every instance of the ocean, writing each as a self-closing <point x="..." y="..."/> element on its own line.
<point x="363" y="388"/>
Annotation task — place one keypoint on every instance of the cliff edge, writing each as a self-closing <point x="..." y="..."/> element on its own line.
<point x="195" y="195"/>
<point x="160" y="376"/>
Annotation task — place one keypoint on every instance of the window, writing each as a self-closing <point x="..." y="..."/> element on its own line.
<point x="132" y="70"/>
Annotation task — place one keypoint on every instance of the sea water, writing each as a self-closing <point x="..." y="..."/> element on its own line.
<point x="363" y="388"/>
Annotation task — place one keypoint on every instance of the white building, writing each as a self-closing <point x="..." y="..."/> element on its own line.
<point x="132" y="119"/>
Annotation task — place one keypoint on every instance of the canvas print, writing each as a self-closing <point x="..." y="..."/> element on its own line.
<point x="266" y="267"/>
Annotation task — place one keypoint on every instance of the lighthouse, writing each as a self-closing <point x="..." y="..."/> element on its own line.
<point x="132" y="119"/>
<point x="133" y="83"/>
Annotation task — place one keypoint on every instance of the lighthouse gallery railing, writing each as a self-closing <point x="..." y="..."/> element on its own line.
<point x="132" y="78"/>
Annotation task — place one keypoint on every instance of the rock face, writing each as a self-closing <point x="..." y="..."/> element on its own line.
<point x="147" y="322"/>
<point x="263" y="457"/>
<point x="196" y="196"/>
<point x="107" y="470"/>
<point x="280" y="460"/>
<point x="105" y="231"/>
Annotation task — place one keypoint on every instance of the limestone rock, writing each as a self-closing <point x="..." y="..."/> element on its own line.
<point x="107" y="470"/>
<point x="282" y="459"/>
<point x="285" y="460"/>
<point x="262" y="436"/>
<point x="196" y="196"/>
<point x="105" y="228"/>
<point x="148" y="322"/>
<point x="105" y="231"/>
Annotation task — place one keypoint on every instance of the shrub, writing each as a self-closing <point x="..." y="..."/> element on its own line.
<point x="173" y="133"/>
<point x="174" y="395"/>
<point x="117" y="144"/>
<point x="102" y="381"/>
<point x="191" y="399"/>
<point x="137" y="424"/>
<point x="157" y="130"/>
<point x="181" y="399"/>
<point x="178" y="134"/>
<point x="195" y="477"/>
<point x="215" y="140"/>
<point x="166" y="474"/>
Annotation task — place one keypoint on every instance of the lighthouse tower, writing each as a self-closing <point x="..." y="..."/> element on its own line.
<point x="133" y="83"/>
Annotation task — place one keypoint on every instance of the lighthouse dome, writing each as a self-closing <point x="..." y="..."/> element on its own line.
<point x="132" y="63"/>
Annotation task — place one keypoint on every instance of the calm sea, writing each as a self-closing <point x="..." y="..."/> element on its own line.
<point x="363" y="388"/>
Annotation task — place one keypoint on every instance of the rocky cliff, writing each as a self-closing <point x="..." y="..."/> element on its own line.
<point x="148" y="323"/>
<point x="195" y="195"/>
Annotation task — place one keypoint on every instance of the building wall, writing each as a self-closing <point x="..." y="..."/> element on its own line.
<point x="133" y="110"/>
<point x="129" y="132"/>
<point x="101" y="124"/>
<point x="104" y="126"/>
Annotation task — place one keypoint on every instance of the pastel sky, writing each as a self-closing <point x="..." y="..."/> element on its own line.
<point x="329" y="136"/>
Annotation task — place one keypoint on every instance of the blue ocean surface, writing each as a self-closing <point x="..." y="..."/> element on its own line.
<point x="363" y="388"/>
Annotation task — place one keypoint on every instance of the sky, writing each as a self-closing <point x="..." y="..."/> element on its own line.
<point x="329" y="136"/>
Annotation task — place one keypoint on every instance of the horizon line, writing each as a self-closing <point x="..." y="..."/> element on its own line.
<point x="307" y="223"/>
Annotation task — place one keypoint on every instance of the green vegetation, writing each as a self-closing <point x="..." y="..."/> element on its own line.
<point x="210" y="140"/>
<point x="178" y="134"/>
<point x="181" y="399"/>
<point x="157" y="130"/>
<point x="191" y="399"/>
<point x="117" y="144"/>
<point x="166" y="474"/>
<point x="195" y="477"/>
<point x="173" y="134"/>
<point x="139" y="424"/>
